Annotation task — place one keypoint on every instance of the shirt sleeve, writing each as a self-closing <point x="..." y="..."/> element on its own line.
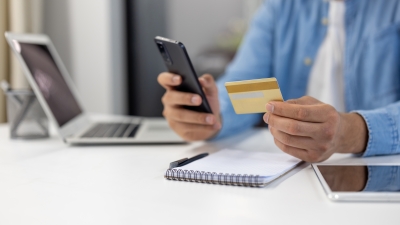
<point x="383" y="130"/>
<point x="252" y="61"/>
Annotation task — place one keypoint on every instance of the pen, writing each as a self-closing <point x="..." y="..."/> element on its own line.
<point x="186" y="161"/>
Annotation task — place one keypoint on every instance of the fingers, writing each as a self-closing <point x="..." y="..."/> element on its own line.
<point x="306" y="143"/>
<point x="291" y="126"/>
<point x="305" y="100"/>
<point x="189" y="124"/>
<point x="193" y="132"/>
<point x="172" y="97"/>
<point x="296" y="152"/>
<point x="308" y="156"/>
<point x="168" y="80"/>
<point x="304" y="128"/>
<point x="209" y="85"/>
<point x="191" y="117"/>
<point x="308" y="113"/>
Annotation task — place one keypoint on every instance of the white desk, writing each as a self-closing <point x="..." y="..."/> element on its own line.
<point x="46" y="182"/>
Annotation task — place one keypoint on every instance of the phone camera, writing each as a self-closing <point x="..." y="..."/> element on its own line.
<point x="164" y="53"/>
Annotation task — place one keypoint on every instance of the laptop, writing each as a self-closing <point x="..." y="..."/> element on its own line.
<point x="59" y="99"/>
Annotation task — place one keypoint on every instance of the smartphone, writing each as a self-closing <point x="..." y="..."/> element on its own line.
<point x="178" y="62"/>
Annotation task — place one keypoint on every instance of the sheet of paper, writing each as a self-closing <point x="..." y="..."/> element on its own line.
<point x="244" y="162"/>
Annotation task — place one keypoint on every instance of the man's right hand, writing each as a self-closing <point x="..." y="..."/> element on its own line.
<point x="190" y="125"/>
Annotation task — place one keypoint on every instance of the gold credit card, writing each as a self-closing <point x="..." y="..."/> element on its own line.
<point x="251" y="96"/>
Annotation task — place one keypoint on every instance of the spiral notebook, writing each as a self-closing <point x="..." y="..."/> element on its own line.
<point x="235" y="167"/>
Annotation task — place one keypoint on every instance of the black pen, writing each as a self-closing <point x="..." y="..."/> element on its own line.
<point x="186" y="161"/>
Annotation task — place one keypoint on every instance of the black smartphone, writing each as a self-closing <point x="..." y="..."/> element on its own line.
<point x="178" y="62"/>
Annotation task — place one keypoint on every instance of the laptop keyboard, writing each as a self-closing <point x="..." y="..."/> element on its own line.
<point x="112" y="130"/>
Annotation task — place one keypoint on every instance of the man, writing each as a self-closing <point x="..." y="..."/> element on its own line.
<point x="343" y="56"/>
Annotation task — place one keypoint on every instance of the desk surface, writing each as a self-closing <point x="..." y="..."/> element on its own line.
<point x="47" y="182"/>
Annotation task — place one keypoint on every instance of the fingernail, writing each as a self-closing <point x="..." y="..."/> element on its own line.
<point x="175" y="79"/>
<point x="204" y="80"/>
<point x="217" y="126"/>
<point x="209" y="120"/>
<point x="266" y="117"/>
<point x="195" y="100"/>
<point x="270" y="108"/>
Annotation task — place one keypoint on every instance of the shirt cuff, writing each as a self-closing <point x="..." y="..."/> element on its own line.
<point x="382" y="132"/>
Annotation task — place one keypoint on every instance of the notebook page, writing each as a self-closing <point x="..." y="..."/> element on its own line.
<point x="243" y="162"/>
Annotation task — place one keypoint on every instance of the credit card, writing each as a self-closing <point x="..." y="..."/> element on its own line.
<point x="251" y="96"/>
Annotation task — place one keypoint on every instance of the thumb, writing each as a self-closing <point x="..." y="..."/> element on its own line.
<point x="305" y="100"/>
<point x="209" y="85"/>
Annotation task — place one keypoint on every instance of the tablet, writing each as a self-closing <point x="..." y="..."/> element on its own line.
<point x="360" y="182"/>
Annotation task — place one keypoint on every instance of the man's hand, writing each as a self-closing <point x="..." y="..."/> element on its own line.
<point x="312" y="131"/>
<point x="190" y="125"/>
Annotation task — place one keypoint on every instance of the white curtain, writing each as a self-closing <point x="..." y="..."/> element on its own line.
<point x="3" y="56"/>
<point x="20" y="16"/>
<point x="25" y="17"/>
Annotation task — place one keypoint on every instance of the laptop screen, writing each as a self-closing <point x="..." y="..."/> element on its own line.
<point x="51" y="83"/>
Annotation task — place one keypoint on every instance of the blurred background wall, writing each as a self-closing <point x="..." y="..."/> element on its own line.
<point x="107" y="45"/>
<point x="90" y="38"/>
<point x="210" y="30"/>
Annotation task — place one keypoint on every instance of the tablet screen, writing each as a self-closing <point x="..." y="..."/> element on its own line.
<point x="355" y="178"/>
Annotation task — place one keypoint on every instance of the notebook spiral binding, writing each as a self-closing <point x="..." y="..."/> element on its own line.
<point x="214" y="178"/>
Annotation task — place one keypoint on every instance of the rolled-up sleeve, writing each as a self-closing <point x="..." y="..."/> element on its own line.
<point x="383" y="130"/>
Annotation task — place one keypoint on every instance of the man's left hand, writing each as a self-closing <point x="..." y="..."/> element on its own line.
<point x="312" y="131"/>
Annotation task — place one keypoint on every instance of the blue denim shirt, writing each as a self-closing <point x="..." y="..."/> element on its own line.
<point x="285" y="34"/>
